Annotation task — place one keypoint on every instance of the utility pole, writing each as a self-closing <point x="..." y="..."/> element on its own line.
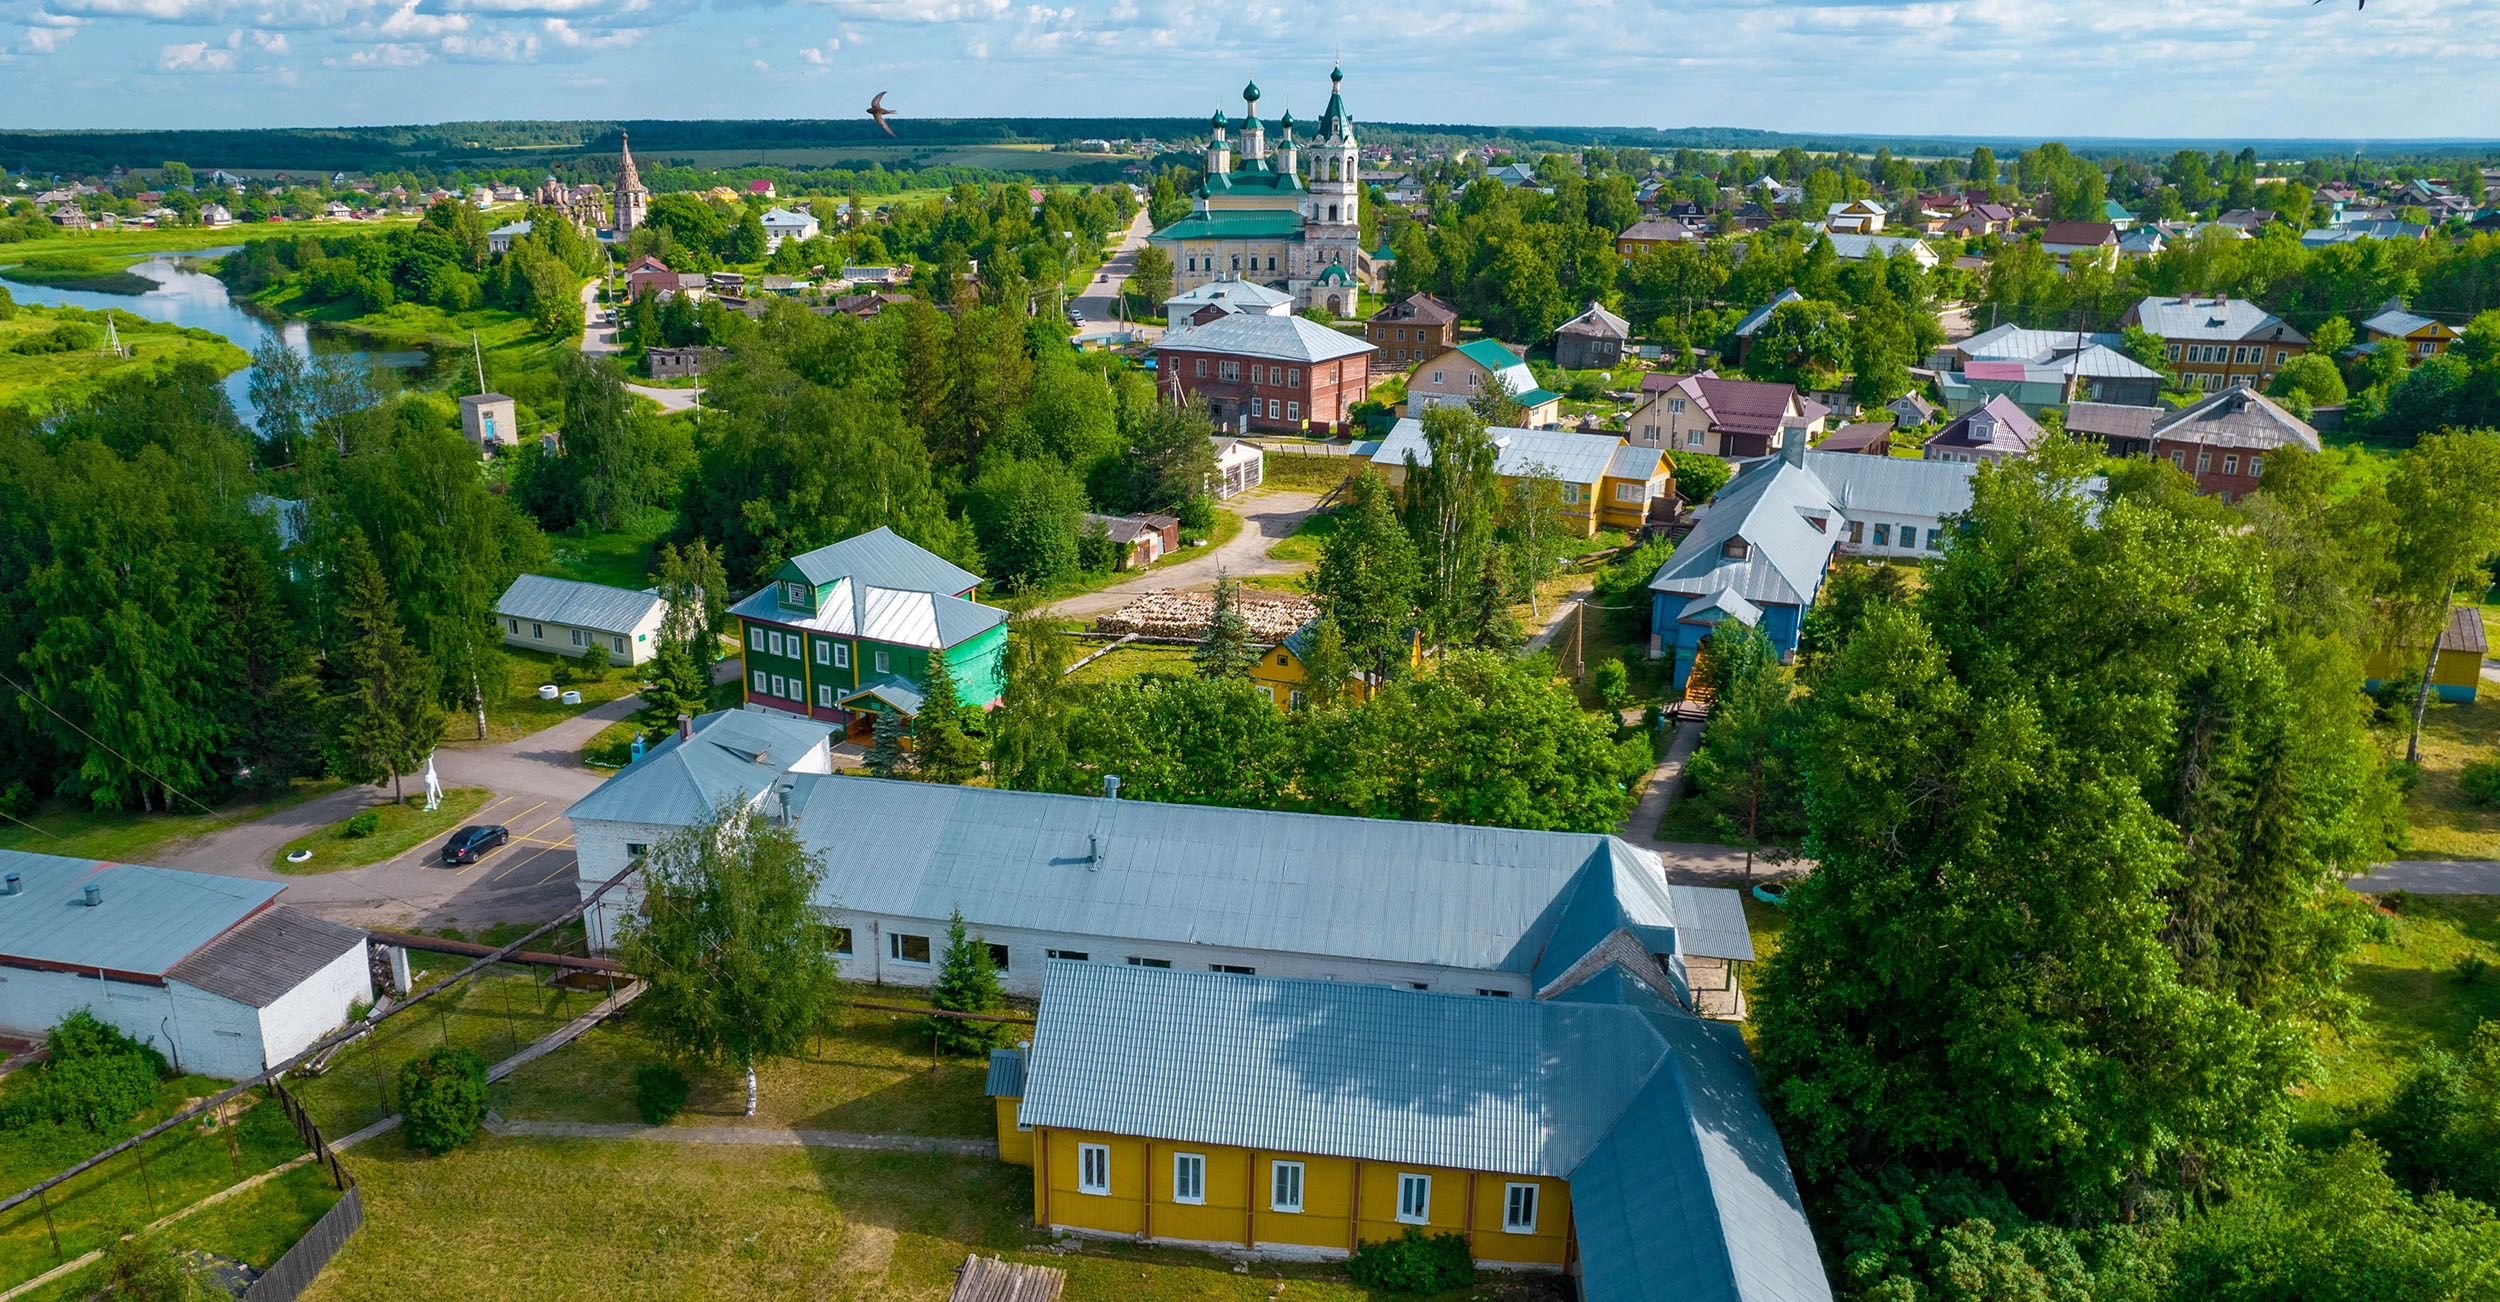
<point x="479" y="354"/>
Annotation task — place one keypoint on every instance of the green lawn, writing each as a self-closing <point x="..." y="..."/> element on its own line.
<point x="621" y="558"/>
<point x="1306" y="542"/>
<point x="520" y="711"/>
<point x="497" y="1014"/>
<point x="1132" y="661"/>
<point x="1227" y="526"/>
<point x="1310" y="473"/>
<point x="402" y="827"/>
<point x="183" y="1166"/>
<point x="43" y="381"/>
<point x="613" y="746"/>
<point x="128" y="836"/>
<point x="2411" y="997"/>
<point x="256" y="1226"/>
<point x="2443" y="823"/>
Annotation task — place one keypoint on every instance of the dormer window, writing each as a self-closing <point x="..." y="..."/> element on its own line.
<point x="1735" y="549"/>
<point x="797" y="594"/>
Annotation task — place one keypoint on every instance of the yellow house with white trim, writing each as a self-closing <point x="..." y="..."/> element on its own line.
<point x="1283" y="675"/>
<point x="1606" y="482"/>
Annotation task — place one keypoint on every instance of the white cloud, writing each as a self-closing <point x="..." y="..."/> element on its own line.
<point x="273" y="42"/>
<point x="197" y="56"/>
<point x="47" y="32"/>
<point x="390" y="54"/>
<point x="407" y="24"/>
<point x="920" y="11"/>
<point x="571" y="37"/>
<point x="501" y="45"/>
<point x="760" y="66"/>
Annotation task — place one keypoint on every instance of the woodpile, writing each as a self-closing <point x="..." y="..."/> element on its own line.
<point x="1170" y="613"/>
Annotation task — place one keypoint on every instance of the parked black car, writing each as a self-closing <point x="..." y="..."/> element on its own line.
<point x="470" y="843"/>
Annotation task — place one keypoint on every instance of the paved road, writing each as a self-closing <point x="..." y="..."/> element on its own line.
<point x="1098" y="304"/>
<point x="599" y="339"/>
<point x="534" y="780"/>
<point x="2432" y="877"/>
<point x="1267" y="518"/>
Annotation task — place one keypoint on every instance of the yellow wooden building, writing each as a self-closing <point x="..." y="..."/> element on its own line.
<point x="2457" y="675"/>
<point x="1606" y="482"/>
<point x="1605" y="1130"/>
<point x="1282" y="674"/>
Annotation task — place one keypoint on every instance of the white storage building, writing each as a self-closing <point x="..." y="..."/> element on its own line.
<point x="213" y="971"/>
<point x="568" y="616"/>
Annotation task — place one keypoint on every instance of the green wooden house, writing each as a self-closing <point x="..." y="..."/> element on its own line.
<point x="845" y="631"/>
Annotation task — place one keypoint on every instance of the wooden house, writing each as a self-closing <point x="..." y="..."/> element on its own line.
<point x="2456" y="675"/>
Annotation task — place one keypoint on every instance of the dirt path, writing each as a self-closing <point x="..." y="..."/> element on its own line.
<point x="1267" y="518"/>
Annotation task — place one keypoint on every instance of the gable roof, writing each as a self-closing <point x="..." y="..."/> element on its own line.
<point x="1894" y="485"/>
<point x="2238" y="417"/>
<point x="1770" y="504"/>
<point x="2464" y="631"/>
<point x="2220" y="318"/>
<point x="1569" y="456"/>
<point x="2394" y="320"/>
<point x="1998" y="424"/>
<point x="1234" y="292"/>
<point x="1754" y="319"/>
<point x="577" y="604"/>
<point x="885" y="559"/>
<point x="2111" y="419"/>
<point x="1854" y="247"/>
<point x="267" y="956"/>
<point x="1422" y="309"/>
<point x="1741" y="406"/>
<point x="1285" y="338"/>
<point x="2079" y="234"/>
<point x="1490" y="354"/>
<point x="733" y="756"/>
<point x="1596" y="321"/>
<point x="149" y="920"/>
<point x="1660" y="230"/>
<point x="1864" y="438"/>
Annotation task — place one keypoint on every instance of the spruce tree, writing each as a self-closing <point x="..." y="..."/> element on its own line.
<point x="387" y="720"/>
<point x="678" y="686"/>
<point x="1325" y="662"/>
<point x="967" y="983"/>
<point x="941" y="749"/>
<point x="885" y="753"/>
<point x="1226" y="651"/>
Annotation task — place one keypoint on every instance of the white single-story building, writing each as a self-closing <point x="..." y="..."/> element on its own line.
<point x="490" y="420"/>
<point x="210" y="970"/>
<point x="1239" y="466"/>
<point x="1471" y="910"/>
<point x="782" y="224"/>
<point x="568" y="616"/>
<point x="499" y="240"/>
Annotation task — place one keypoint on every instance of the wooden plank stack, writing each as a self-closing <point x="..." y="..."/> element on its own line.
<point x="993" y="1279"/>
<point x="1172" y="613"/>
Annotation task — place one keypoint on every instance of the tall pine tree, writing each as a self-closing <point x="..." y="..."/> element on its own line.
<point x="1226" y="651"/>
<point x="385" y="720"/>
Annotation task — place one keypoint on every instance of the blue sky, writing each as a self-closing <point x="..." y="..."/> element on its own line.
<point x="2240" y="68"/>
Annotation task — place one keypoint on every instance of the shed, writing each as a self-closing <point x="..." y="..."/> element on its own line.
<point x="490" y="420"/>
<point x="210" y="970"/>
<point x="567" y="617"/>
<point x="2456" y="675"/>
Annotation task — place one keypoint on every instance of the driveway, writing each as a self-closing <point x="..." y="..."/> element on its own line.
<point x="599" y="339"/>
<point x="534" y="780"/>
<point x="1098" y="304"/>
<point x="1267" y="518"/>
<point x="2432" y="877"/>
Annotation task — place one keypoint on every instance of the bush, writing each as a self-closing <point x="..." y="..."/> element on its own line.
<point x="443" y="1097"/>
<point x="146" y="1270"/>
<point x="18" y="801"/>
<point x="594" y="661"/>
<point x="97" y="1079"/>
<point x="1415" y="1263"/>
<point x="1698" y="475"/>
<point x="2480" y="781"/>
<point x="1613" y="683"/>
<point x="659" y="1092"/>
<point x="363" y="825"/>
<point x="1197" y="515"/>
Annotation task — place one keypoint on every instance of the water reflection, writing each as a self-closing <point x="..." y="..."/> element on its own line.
<point x="185" y="295"/>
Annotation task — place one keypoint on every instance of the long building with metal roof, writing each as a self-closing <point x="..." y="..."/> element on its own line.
<point x="211" y="970"/>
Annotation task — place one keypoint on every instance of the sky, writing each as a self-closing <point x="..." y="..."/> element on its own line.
<point x="2130" y="68"/>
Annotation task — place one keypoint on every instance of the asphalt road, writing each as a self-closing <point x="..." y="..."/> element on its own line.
<point x="1098" y="305"/>
<point x="2432" y="877"/>
<point x="599" y="339"/>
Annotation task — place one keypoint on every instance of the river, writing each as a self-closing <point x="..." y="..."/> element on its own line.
<point x="188" y="296"/>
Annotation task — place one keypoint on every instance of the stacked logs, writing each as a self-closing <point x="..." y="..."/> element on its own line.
<point x="1271" y="615"/>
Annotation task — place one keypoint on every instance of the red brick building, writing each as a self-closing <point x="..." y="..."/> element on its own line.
<point x="1279" y="373"/>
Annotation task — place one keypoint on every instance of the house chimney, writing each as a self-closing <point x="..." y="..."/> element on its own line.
<point x="9" y="885"/>
<point x="95" y="895"/>
<point x="1110" y="786"/>
<point x="1793" y="450"/>
<point x="685" y="725"/>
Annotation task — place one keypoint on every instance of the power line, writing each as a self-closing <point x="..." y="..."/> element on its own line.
<point x="134" y="764"/>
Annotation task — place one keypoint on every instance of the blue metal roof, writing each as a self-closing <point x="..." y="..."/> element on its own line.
<point x="578" y="604"/>
<point x="883" y="558"/>
<point x="149" y="919"/>
<point x="1006" y="1079"/>
<point x="732" y="757"/>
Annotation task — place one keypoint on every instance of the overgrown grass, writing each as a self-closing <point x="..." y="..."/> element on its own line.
<point x="2412" y="996"/>
<point x="620" y="558"/>
<point x="2444" y="824"/>
<point x="1300" y="471"/>
<point x="70" y="828"/>
<point x="497" y="1013"/>
<point x="183" y="1166"/>
<point x="1133" y="661"/>
<point x="255" y="1226"/>
<point x="43" y="381"/>
<point x="79" y="269"/>
<point x="400" y="828"/>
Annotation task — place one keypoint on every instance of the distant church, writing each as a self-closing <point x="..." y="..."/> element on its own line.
<point x="632" y="201"/>
<point x="1262" y="216"/>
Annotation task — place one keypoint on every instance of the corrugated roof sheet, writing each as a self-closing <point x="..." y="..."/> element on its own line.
<point x="1899" y="485"/>
<point x="2397" y="322"/>
<point x="1285" y="224"/>
<point x="150" y="918"/>
<point x="1006" y="1079"/>
<point x="2238" y="417"/>
<point x="1710" y="922"/>
<point x="1630" y="462"/>
<point x="733" y="755"/>
<point x="1568" y="456"/>
<point x="578" y="604"/>
<point x="1768" y="504"/>
<point x="2464" y="631"/>
<point x="901" y="617"/>
<point x="2111" y="419"/>
<point x="1288" y="338"/>
<point x="885" y="559"/>
<point x="1754" y="319"/>
<point x="1235" y="292"/>
<point x="269" y="955"/>
<point x="2216" y="318"/>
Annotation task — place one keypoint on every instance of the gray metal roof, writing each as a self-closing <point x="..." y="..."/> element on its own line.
<point x="896" y="616"/>
<point x="2237" y="417"/>
<point x="1898" y="485"/>
<point x="2219" y="319"/>
<point x="149" y="918"/>
<point x="885" y="559"/>
<point x="1754" y="319"/>
<point x="1006" y="1079"/>
<point x="268" y="956"/>
<point x="1631" y="462"/>
<point x="1441" y="894"/>
<point x="1853" y="247"/>
<point x="2396" y="321"/>
<point x="1568" y="456"/>
<point x="1680" y="1188"/>
<point x="733" y="756"/>
<point x="1287" y="338"/>
<point x="579" y="605"/>
<point x="2106" y="419"/>
<point x="1771" y="505"/>
<point x="1710" y="922"/>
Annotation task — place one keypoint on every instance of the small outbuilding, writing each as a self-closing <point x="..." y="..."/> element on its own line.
<point x="568" y="617"/>
<point x="490" y="420"/>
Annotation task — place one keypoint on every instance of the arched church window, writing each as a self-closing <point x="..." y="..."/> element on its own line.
<point x="1332" y="212"/>
<point x="1333" y="164"/>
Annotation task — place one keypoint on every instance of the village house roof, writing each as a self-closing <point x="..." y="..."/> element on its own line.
<point x="1739" y="406"/>
<point x="2109" y="420"/>
<point x="1754" y="319"/>
<point x="882" y="558"/>
<point x="147" y="920"/>
<point x="2218" y="319"/>
<point x="2238" y="417"/>
<point x="730" y="758"/>
<point x="1656" y="230"/>
<point x="267" y="957"/>
<point x="1567" y="455"/>
<point x="1678" y="1180"/>
<point x="2081" y="235"/>
<point x="1853" y="248"/>
<point x="1872" y="438"/>
<point x="2464" y="631"/>
<point x="1782" y="513"/>
<point x="2394" y="319"/>
<point x="1596" y="321"/>
<point x="576" y="604"/>
<point x="1997" y="425"/>
<point x="1283" y="338"/>
<point x="1419" y="309"/>
<point x="1893" y="485"/>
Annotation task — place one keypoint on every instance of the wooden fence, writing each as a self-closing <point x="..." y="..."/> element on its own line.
<point x="294" y="1271"/>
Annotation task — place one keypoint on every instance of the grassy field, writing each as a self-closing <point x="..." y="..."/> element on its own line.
<point x="128" y="836"/>
<point x="497" y="1014"/>
<point x="1306" y="542"/>
<point x="2413" y="995"/>
<point x="256" y="1226"/>
<point x="402" y="828"/>
<point x="1132" y="661"/>
<point x="43" y="380"/>
<point x="1314" y="474"/>
<point x="2444" y="824"/>
<point x="183" y="1166"/>
<point x="621" y="558"/>
<point x="520" y="711"/>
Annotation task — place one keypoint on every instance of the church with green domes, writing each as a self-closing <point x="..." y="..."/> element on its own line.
<point x="1281" y="213"/>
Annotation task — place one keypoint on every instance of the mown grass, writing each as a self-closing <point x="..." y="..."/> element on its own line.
<point x="1307" y="541"/>
<point x="497" y="1014"/>
<point x="1133" y="661"/>
<point x="519" y="710"/>
<point x="184" y="1165"/>
<point x="2444" y="824"/>
<point x="1301" y="471"/>
<point x="2411" y="996"/>
<point x="70" y="828"/>
<point x="401" y="828"/>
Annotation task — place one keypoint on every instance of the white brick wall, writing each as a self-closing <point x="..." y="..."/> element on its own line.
<point x="318" y="1006"/>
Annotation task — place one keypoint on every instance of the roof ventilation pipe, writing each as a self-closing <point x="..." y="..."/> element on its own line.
<point x="1110" y="786"/>
<point x="685" y="725"/>
<point x="10" y="885"/>
<point x="95" y="895"/>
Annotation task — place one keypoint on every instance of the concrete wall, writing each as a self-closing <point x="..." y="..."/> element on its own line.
<point x="318" y="1006"/>
<point x="196" y="1030"/>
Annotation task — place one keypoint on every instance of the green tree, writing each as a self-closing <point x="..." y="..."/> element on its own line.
<point x="1452" y="501"/>
<point x="1026" y="513"/>
<point x="145" y="1268"/>
<point x="1534" y="532"/>
<point x="2446" y="493"/>
<point x="1742" y="766"/>
<point x="886" y="757"/>
<point x="2310" y="377"/>
<point x="2145" y="349"/>
<point x="736" y="955"/>
<point x="942" y="750"/>
<point x="1365" y="580"/>
<point x="1226" y="651"/>
<point x="385" y="717"/>
<point x="1325" y="664"/>
<point x="1149" y="282"/>
<point x="1029" y="730"/>
<point x="1803" y="341"/>
<point x="967" y="982"/>
<point x="443" y="1096"/>
<point x="744" y="242"/>
<point x="1171" y="453"/>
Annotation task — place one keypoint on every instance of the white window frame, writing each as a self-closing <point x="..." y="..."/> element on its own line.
<point x="894" y="948"/>
<point x="1518" y="1197"/>
<point x="1414" y="1198"/>
<point x="1093" y="1169"/>
<point x="755" y="638"/>
<point x="885" y="662"/>
<point x="577" y="636"/>
<point x="779" y="646"/>
<point x="824" y="653"/>
<point x="538" y="631"/>
<point x="824" y="696"/>
<point x="1189" y="1179"/>
<point x="1280" y="1175"/>
<point x="781" y="686"/>
<point x="514" y="625"/>
<point x="618" y="643"/>
<point x="759" y="682"/>
<point x="841" y="655"/>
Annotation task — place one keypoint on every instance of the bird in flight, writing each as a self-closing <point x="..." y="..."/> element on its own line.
<point x="878" y="111"/>
<point x="2358" y="7"/>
